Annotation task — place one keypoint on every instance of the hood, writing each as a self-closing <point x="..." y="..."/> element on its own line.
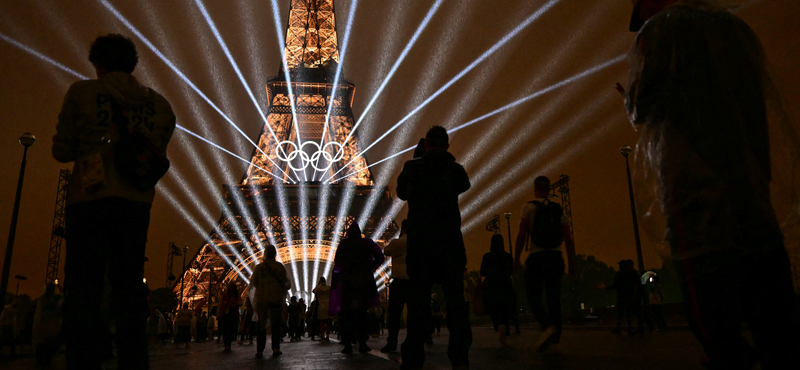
<point x="126" y="90"/>
<point x="497" y="244"/>
<point x="353" y="231"/>
<point x="439" y="155"/>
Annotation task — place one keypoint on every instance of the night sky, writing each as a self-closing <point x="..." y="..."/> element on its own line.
<point x="575" y="129"/>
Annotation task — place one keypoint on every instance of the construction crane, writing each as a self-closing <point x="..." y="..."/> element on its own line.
<point x="57" y="233"/>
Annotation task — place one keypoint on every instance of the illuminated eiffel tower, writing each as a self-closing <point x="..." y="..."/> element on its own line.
<point x="302" y="145"/>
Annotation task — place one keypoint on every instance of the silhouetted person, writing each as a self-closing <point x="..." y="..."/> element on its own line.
<point x="496" y="267"/>
<point x="183" y="326"/>
<point x="323" y="295"/>
<point x="656" y="297"/>
<point x="301" y="326"/>
<point x="107" y="215"/>
<point x="294" y="319"/>
<point x="544" y="225"/>
<point x="353" y="286"/>
<point x="398" y="290"/>
<point x="270" y="283"/>
<point x="697" y="94"/>
<point x="228" y="315"/>
<point x="436" y="315"/>
<point x="626" y="283"/>
<point x="435" y="254"/>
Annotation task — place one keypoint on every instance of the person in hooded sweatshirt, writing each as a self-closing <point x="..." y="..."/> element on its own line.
<point x="107" y="217"/>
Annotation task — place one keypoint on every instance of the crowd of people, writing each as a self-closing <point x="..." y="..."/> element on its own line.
<point x="699" y="102"/>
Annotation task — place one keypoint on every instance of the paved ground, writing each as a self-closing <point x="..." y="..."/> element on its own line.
<point x="580" y="349"/>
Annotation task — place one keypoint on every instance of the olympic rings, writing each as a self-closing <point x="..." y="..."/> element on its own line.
<point x="313" y="160"/>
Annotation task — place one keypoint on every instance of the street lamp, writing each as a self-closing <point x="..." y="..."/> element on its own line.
<point x="19" y="277"/>
<point x="183" y="274"/>
<point x="508" y="218"/>
<point x="27" y="139"/>
<point x="626" y="151"/>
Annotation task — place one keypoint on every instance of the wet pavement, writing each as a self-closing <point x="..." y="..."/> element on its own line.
<point x="579" y="349"/>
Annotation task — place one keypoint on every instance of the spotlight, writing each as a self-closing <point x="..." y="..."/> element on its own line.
<point x="180" y="74"/>
<point x="42" y="57"/>
<point x="461" y="74"/>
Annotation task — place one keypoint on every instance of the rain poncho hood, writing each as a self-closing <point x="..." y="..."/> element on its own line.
<point x="716" y="152"/>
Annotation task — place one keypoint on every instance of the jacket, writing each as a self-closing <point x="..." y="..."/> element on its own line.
<point x="431" y="185"/>
<point x="85" y="130"/>
<point x="269" y="278"/>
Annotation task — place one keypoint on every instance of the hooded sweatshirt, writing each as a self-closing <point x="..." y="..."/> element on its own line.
<point x="85" y="134"/>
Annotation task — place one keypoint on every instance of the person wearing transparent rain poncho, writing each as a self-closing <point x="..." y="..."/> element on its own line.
<point x="715" y="149"/>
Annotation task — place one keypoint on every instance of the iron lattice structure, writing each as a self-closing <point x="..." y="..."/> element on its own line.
<point x="284" y="209"/>
<point x="562" y="185"/>
<point x="57" y="233"/>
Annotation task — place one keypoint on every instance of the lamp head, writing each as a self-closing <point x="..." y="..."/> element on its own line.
<point x="508" y="215"/>
<point x="625" y="151"/>
<point x="27" y="139"/>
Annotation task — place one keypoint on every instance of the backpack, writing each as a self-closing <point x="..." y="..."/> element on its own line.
<point x="136" y="159"/>
<point x="547" y="231"/>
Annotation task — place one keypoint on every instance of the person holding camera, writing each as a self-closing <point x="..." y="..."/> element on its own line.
<point x="116" y="131"/>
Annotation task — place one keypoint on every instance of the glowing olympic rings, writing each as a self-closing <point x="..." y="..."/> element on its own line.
<point x="313" y="159"/>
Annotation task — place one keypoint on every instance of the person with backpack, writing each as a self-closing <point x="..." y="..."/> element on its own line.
<point x="116" y="131"/>
<point x="544" y="225"/>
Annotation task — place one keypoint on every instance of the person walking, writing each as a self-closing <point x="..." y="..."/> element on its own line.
<point x="544" y="225"/>
<point x="211" y="326"/>
<point x="301" y="327"/>
<point x="202" y="327"/>
<point x="626" y="283"/>
<point x="353" y="286"/>
<point x="228" y="315"/>
<point x="246" y="321"/>
<point x="323" y="293"/>
<point x="436" y="315"/>
<point x="698" y="93"/>
<point x="294" y="319"/>
<point x="105" y="125"/>
<point x="268" y="286"/>
<point x="496" y="268"/>
<point x="183" y="326"/>
<point x="656" y="300"/>
<point x="398" y="289"/>
<point x="435" y="253"/>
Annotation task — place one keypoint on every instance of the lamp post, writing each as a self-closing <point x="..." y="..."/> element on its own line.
<point x="183" y="273"/>
<point x="27" y="139"/>
<point x="19" y="277"/>
<point x="626" y="151"/>
<point x="510" y="245"/>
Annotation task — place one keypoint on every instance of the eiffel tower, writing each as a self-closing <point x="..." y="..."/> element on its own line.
<point x="283" y="198"/>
